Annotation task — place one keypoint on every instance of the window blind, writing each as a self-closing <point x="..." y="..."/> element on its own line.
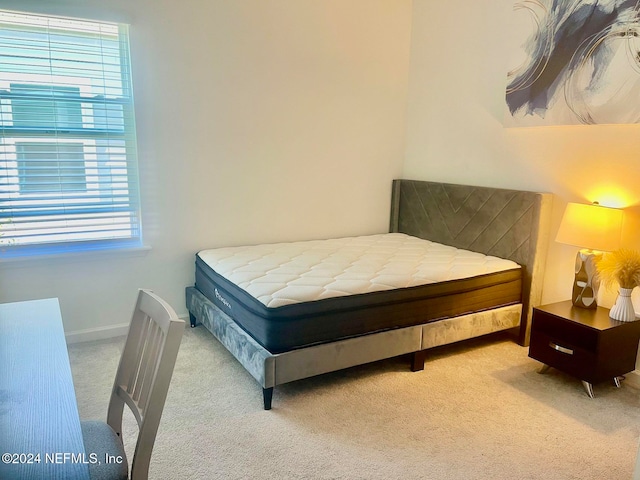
<point x="68" y="164"/>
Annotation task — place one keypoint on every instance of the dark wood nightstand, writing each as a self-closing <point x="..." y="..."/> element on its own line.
<point x="582" y="342"/>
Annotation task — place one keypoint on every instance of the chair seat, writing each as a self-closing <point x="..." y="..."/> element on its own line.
<point x="100" y="439"/>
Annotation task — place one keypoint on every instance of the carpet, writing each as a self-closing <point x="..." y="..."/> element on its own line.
<point x="479" y="410"/>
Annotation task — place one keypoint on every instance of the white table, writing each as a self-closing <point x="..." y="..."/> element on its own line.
<point x="40" y="436"/>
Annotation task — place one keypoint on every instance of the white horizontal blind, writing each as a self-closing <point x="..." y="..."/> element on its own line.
<point x="68" y="166"/>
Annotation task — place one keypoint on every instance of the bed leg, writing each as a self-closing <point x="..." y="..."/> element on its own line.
<point x="192" y="320"/>
<point x="267" y="396"/>
<point x="417" y="360"/>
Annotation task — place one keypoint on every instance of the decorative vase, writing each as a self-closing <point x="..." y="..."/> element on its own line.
<point x="623" y="309"/>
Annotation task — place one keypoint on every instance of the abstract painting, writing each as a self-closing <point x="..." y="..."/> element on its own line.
<point x="575" y="62"/>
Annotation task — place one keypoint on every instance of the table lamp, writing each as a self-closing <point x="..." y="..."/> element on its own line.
<point x="595" y="229"/>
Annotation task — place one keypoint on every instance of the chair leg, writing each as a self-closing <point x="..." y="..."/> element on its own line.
<point x="267" y="396"/>
<point x="192" y="320"/>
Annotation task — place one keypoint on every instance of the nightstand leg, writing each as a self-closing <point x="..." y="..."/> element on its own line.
<point x="616" y="380"/>
<point x="544" y="369"/>
<point x="588" y="387"/>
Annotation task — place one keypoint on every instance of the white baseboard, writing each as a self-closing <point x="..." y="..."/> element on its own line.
<point x="97" y="333"/>
<point x="102" y="333"/>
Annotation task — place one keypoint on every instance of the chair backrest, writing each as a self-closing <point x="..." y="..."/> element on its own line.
<point x="144" y="374"/>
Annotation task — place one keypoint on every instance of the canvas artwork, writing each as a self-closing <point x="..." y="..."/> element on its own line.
<point x="574" y="62"/>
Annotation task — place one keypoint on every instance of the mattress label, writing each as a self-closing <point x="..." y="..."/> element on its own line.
<point x="222" y="300"/>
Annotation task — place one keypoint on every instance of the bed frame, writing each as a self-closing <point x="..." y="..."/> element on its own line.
<point x="505" y="223"/>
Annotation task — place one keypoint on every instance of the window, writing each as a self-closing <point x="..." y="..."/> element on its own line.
<point x="68" y="165"/>
<point x="67" y="169"/>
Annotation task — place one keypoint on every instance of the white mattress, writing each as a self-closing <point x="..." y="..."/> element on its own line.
<point x="289" y="273"/>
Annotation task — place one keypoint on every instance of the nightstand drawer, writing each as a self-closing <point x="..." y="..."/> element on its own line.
<point x="563" y="355"/>
<point x="565" y="332"/>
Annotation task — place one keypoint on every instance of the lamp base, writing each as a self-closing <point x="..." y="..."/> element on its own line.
<point x="586" y="282"/>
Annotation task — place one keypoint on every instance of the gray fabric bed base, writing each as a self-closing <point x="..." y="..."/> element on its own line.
<point x="271" y="370"/>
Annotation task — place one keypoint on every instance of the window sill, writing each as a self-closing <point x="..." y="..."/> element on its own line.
<point x="96" y="254"/>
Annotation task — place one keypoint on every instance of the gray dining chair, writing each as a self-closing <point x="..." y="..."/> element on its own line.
<point x="142" y="381"/>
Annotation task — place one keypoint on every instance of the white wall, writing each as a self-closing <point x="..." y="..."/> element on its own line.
<point x="285" y="119"/>
<point x="455" y="127"/>
<point x="257" y="121"/>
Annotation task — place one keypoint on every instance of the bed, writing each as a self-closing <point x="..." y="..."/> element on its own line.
<point x="458" y="262"/>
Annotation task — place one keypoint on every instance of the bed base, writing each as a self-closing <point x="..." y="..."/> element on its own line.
<point x="271" y="369"/>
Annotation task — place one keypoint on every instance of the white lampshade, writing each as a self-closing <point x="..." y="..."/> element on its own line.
<point x="591" y="226"/>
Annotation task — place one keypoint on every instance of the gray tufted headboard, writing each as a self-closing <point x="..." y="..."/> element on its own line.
<point x="504" y="223"/>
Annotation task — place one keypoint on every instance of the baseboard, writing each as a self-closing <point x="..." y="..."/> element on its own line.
<point x="633" y="378"/>
<point x="102" y="333"/>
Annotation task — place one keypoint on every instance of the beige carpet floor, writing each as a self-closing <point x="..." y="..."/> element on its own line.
<point x="479" y="410"/>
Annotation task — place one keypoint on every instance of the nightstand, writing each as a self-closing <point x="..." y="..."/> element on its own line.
<point x="582" y="342"/>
